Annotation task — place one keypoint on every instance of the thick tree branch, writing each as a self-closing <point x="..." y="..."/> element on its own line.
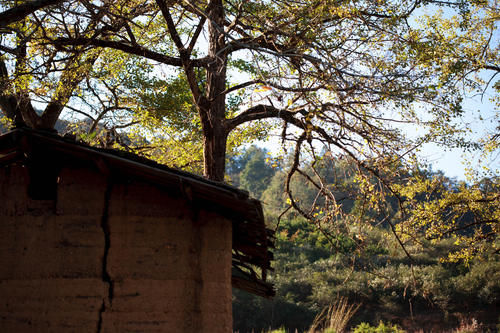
<point x="131" y="49"/>
<point x="492" y="68"/>
<point x="171" y="27"/>
<point x="283" y="88"/>
<point x="14" y="102"/>
<point x="291" y="172"/>
<point x="183" y="52"/>
<point x="262" y="111"/>
<point x="9" y="50"/>
<point x="7" y="100"/>
<point x="73" y="74"/>
<point x="19" y="12"/>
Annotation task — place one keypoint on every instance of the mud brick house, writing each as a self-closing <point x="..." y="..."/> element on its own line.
<point x="96" y="240"/>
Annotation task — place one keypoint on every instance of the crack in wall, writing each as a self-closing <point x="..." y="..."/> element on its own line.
<point x="101" y="311"/>
<point x="195" y="323"/>
<point x="107" y="245"/>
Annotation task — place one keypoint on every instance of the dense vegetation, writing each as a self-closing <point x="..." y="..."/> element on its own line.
<point x="314" y="268"/>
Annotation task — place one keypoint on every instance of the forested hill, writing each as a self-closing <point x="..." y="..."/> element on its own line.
<point x="317" y="266"/>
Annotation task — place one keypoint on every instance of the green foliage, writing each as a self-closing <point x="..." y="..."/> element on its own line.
<point x="317" y="265"/>
<point x="381" y="328"/>
<point x="273" y="197"/>
<point x="280" y="330"/>
<point x="256" y="174"/>
<point x="5" y="122"/>
<point x="437" y="209"/>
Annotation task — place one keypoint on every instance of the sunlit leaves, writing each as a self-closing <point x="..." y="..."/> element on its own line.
<point x="434" y="209"/>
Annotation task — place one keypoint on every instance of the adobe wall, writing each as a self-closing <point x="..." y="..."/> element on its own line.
<point x="100" y="258"/>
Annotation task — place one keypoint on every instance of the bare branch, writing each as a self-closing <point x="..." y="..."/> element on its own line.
<point x="171" y="27"/>
<point x="196" y="34"/>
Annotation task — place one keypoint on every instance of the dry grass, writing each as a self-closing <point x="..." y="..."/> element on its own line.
<point x="334" y="319"/>
<point x="468" y="326"/>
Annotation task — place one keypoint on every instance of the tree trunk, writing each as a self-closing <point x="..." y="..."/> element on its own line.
<point x="214" y="151"/>
<point x="214" y="121"/>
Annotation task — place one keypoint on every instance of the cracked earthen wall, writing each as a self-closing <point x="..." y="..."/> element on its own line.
<point x="110" y="256"/>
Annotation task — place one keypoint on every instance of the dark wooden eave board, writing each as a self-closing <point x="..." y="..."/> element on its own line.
<point x="247" y="282"/>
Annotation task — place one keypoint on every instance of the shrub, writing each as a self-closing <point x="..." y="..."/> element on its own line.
<point x="279" y="330"/>
<point x="381" y="328"/>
